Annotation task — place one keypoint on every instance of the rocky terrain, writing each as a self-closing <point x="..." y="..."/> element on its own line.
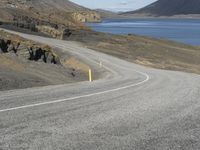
<point x="25" y="63"/>
<point x="26" y="49"/>
<point x="189" y="8"/>
<point x="53" y="17"/>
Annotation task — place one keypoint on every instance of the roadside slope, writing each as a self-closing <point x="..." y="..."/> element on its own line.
<point x="25" y="64"/>
<point x="156" y="53"/>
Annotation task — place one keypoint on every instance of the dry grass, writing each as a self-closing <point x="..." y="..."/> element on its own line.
<point x="147" y="51"/>
<point x="8" y="62"/>
<point x="76" y="64"/>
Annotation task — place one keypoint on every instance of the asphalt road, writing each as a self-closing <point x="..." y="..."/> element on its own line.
<point x="130" y="107"/>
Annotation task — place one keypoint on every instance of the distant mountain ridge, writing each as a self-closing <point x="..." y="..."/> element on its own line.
<point x="107" y="14"/>
<point x="170" y="8"/>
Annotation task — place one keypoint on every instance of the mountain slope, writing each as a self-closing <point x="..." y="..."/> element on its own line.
<point x="35" y="14"/>
<point x="170" y="8"/>
<point x="107" y="14"/>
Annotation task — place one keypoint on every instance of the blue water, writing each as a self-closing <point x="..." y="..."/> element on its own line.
<point x="180" y="30"/>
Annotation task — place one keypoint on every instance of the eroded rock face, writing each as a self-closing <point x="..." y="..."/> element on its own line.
<point x="88" y="16"/>
<point x="13" y="47"/>
<point x="3" y="46"/>
<point x="52" y="31"/>
<point x="8" y="46"/>
<point x="42" y="54"/>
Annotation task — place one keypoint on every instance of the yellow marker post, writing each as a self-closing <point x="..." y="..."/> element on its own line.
<point x="100" y="64"/>
<point x="90" y="75"/>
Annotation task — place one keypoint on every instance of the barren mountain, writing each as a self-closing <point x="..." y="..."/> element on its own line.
<point x="170" y="8"/>
<point x="48" y="16"/>
<point x="107" y="14"/>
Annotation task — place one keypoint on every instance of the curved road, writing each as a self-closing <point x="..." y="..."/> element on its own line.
<point x="130" y="107"/>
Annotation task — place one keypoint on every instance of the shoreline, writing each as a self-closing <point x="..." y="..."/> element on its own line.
<point x="146" y="16"/>
<point x="138" y="34"/>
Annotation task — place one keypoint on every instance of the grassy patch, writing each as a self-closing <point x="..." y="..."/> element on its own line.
<point x="147" y="51"/>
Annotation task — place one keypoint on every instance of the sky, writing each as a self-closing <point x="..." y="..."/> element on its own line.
<point x="114" y="5"/>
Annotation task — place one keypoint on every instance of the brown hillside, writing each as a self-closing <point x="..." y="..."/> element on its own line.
<point x="36" y="15"/>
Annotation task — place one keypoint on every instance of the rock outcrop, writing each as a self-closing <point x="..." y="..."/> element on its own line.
<point x="87" y="16"/>
<point x="27" y="49"/>
<point x="9" y="46"/>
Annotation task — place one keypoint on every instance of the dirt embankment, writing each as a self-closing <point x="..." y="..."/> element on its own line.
<point x="25" y="63"/>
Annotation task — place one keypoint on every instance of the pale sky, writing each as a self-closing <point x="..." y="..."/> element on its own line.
<point x="114" y="5"/>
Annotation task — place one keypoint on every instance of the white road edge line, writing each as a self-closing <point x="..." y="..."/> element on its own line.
<point x="78" y="97"/>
